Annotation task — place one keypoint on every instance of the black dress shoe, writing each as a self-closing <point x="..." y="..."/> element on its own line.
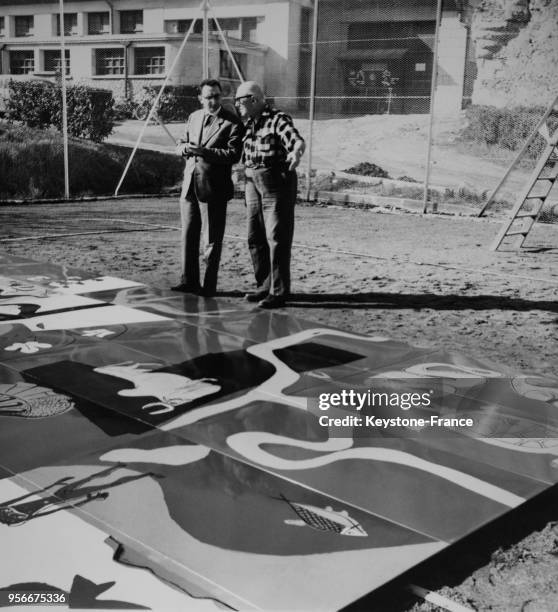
<point x="272" y="301"/>
<point x="207" y="293"/>
<point x="184" y="288"/>
<point x="257" y="296"/>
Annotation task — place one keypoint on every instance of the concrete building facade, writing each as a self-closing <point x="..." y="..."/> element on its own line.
<point x="368" y="48"/>
<point x="125" y="44"/>
<point x="373" y="56"/>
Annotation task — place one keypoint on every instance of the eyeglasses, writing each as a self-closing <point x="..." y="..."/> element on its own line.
<point x="243" y="99"/>
<point x="214" y="96"/>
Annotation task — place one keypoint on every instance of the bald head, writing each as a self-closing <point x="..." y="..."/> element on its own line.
<point x="249" y="99"/>
<point x="250" y="88"/>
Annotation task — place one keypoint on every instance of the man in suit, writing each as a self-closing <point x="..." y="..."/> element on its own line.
<point x="212" y="143"/>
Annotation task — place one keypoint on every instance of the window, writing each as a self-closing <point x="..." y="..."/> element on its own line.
<point x="53" y="63"/>
<point x="70" y="24"/>
<point x="98" y="23"/>
<point x="306" y="26"/>
<point x="131" y="22"/>
<point x="2" y="26"/>
<point x="385" y="35"/>
<point x="241" y="28"/>
<point x="230" y="27"/>
<point x="109" y="61"/>
<point x="22" y="62"/>
<point x="249" y="28"/>
<point x="226" y="67"/>
<point x="149" y="60"/>
<point x="198" y="26"/>
<point x="177" y="26"/>
<point x="24" y="25"/>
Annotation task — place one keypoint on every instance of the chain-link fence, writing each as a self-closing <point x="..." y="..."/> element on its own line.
<point x="413" y="100"/>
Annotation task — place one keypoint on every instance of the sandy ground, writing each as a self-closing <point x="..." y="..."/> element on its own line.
<point x="428" y="280"/>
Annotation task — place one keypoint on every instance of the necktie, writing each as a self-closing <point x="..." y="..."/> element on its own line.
<point x="208" y="120"/>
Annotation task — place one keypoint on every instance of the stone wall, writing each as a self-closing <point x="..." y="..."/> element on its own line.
<point x="516" y="51"/>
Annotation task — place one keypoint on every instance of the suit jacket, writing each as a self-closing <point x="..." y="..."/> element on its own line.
<point x="211" y="174"/>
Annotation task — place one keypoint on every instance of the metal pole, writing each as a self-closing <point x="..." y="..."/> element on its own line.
<point x="64" y="104"/>
<point x="155" y="104"/>
<point x="520" y="154"/>
<point x="205" y="60"/>
<point x="312" y="96"/>
<point x="432" y="96"/>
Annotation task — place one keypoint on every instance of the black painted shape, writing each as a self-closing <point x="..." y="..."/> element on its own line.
<point x="232" y="371"/>
<point x="312" y="356"/>
<point x="113" y="426"/>
<point x="82" y="595"/>
<point x="66" y="493"/>
<point x="27" y="311"/>
<point x="241" y="369"/>
<point x="390" y="490"/>
<point x="236" y="506"/>
<point x="29" y="587"/>
<point x="84" y="592"/>
<point x="82" y="427"/>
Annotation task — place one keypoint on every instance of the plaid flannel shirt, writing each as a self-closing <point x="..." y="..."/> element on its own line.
<point x="270" y="139"/>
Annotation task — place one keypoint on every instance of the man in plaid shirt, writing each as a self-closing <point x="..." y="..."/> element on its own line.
<point x="272" y="151"/>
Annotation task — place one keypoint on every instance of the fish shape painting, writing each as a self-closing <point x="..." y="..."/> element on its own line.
<point x="325" y="519"/>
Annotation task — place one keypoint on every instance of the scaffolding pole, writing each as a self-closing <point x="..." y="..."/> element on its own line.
<point x="433" y="86"/>
<point x="155" y="104"/>
<point x="64" y="103"/>
<point x="312" y="96"/>
<point x="205" y="44"/>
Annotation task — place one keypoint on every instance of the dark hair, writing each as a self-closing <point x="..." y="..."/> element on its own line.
<point x="210" y="83"/>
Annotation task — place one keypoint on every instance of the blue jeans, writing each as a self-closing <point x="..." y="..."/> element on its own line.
<point x="270" y="201"/>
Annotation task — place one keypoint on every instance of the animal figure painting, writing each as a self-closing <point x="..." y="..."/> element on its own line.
<point x="171" y="389"/>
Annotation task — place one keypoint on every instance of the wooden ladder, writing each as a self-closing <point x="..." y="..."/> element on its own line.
<point x="532" y="197"/>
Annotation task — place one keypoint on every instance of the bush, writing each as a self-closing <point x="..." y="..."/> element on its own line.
<point x="124" y="109"/>
<point x="367" y="169"/>
<point x="176" y="103"/>
<point x="329" y="182"/>
<point x="506" y="127"/>
<point x="32" y="166"/>
<point x="39" y="105"/>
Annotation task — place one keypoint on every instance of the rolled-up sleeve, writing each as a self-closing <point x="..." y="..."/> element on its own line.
<point x="287" y="132"/>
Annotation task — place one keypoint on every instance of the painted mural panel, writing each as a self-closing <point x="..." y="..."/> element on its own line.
<point x="226" y="522"/>
<point x="178" y="440"/>
<point x="102" y="579"/>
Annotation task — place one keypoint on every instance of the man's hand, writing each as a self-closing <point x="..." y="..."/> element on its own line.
<point x="187" y="149"/>
<point x="193" y="149"/>
<point x="181" y="148"/>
